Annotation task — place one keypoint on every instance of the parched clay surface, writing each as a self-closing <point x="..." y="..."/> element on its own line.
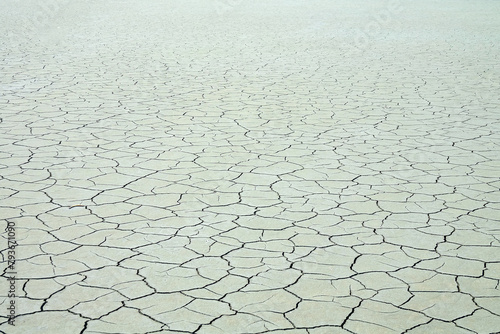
<point x="230" y="166"/>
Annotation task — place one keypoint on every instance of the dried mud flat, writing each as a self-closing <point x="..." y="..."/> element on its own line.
<point x="297" y="167"/>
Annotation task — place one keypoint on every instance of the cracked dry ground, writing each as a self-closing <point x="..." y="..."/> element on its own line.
<point x="252" y="167"/>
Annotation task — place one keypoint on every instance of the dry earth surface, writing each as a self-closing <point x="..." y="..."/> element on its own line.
<point x="231" y="166"/>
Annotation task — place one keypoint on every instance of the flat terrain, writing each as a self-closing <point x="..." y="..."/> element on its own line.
<point x="231" y="166"/>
